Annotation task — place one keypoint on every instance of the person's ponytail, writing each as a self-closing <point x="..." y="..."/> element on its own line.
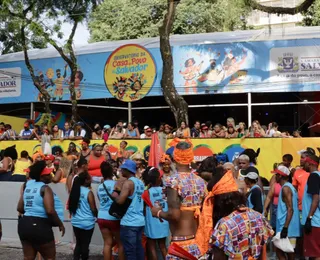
<point x="75" y="192"/>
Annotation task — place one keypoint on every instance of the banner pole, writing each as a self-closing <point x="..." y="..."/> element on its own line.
<point x="249" y="110"/>
<point x="31" y="110"/>
<point x="129" y="112"/>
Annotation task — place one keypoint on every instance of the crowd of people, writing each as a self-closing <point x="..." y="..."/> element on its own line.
<point x="132" y="130"/>
<point x="178" y="209"/>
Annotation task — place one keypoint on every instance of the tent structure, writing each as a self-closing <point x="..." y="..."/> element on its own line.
<point x="254" y="37"/>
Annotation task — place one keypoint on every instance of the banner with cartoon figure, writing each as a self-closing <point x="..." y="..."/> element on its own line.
<point x="129" y="72"/>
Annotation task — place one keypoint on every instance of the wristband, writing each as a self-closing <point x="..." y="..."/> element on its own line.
<point x="158" y="214"/>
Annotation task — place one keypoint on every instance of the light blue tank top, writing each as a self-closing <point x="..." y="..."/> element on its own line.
<point x="33" y="201"/>
<point x="83" y="218"/>
<point x="294" y="226"/>
<point x="134" y="215"/>
<point x="306" y="205"/>
<point x="132" y="133"/>
<point x="58" y="206"/>
<point x="250" y="205"/>
<point x="105" y="200"/>
<point x="154" y="228"/>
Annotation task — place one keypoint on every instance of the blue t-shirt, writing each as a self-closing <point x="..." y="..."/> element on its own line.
<point x="134" y="216"/>
<point x="294" y="226"/>
<point x="33" y="201"/>
<point x="105" y="200"/>
<point x="58" y="206"/>
<point x="255" y="199"/>
<point x="307" y="201"/>
<point x="154" y="228"/>
<point x="84" y="217"/>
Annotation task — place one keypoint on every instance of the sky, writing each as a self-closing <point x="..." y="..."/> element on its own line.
<point x="82" y="34"/>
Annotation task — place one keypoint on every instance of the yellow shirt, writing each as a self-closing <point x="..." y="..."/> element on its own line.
<point x="21" y="166"/>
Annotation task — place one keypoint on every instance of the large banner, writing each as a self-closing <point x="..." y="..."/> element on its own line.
<point x="131" y="72"/>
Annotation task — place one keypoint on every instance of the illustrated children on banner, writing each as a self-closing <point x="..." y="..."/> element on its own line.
<point x="189" y="74"/>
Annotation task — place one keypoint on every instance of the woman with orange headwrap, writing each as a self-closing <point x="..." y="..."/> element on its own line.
<point x="185" y="193"/>
<point x="165" y="165"/>
<point x="222" y="208"/>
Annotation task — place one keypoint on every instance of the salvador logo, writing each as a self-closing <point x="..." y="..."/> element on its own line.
<point x="288" y="63"/>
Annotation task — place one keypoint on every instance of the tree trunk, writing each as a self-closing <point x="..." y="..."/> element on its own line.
<point x="304" y="6"/>
<point x="178" y="105"/>
<point x="73" y="96"/>
<point x="45" y="94"/>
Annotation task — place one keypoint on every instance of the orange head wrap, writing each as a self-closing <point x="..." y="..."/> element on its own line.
<point x="183" y="156"/>
<point x="35" y="155"/>
<point x="164" y="158"/>
<point x="226" y="184"/>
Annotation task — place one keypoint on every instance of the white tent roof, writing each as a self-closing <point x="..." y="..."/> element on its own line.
<point x="176" y="40"/>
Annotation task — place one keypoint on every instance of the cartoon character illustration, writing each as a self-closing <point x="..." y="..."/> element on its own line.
<point x="78" y="79"/>
<point x="190" y="73"/>
<point x="58" y="93"/>
<point x="120" y="87"/>
<point x="136" y="83"/>
<point x="231" y="65"/>
<point x="212" y="74"/>
<point x="44" y="83"/>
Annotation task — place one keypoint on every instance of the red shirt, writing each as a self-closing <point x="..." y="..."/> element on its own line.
<point x="94" y="166"/>
<point x="105" y="137"/>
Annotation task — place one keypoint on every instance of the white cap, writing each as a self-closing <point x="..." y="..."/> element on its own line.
<point x="146" y="127"/>
<point x="282" y="170"/>
<point x="252" y="175"/>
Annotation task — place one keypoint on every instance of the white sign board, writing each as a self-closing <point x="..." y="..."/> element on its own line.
<point x="295" y="64"/>
<point x="10" y="82"/>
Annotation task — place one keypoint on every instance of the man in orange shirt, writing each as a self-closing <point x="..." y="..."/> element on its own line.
<point x="300" y="179"/>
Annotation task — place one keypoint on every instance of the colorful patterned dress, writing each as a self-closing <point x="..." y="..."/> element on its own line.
<point x="192" y="191"/>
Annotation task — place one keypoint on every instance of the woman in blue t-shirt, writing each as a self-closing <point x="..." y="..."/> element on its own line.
<point x="109" y="225"/>
<point x="155" y="230"/>
<point x="37" y="205"/>
<point x="83" y="212"/>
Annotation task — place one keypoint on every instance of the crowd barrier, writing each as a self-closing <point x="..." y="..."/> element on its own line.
<point x="271" y="149"/>
<point x="10" y="193"/>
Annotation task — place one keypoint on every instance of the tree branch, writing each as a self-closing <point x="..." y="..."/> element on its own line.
<point x="70" y="41"/>
<point x="29" y="8"/>
<point x="36" y="82"/>
<point x="58" y="48"/>
<point x="304" y="6"/>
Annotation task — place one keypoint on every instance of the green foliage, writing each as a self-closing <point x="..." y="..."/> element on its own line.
<point x="312" y="15"/>
<point x="131" y="19"/>
<point x="42" y="20"/>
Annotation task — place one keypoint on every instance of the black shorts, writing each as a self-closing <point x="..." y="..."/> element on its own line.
<point x="34" y="230"/>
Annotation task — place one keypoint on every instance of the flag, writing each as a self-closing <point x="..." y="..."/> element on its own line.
<point x="155" y="151"/>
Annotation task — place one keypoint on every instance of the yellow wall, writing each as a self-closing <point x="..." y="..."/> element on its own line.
<point x="271" y="149"/>
<point x="15" y="122"/>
